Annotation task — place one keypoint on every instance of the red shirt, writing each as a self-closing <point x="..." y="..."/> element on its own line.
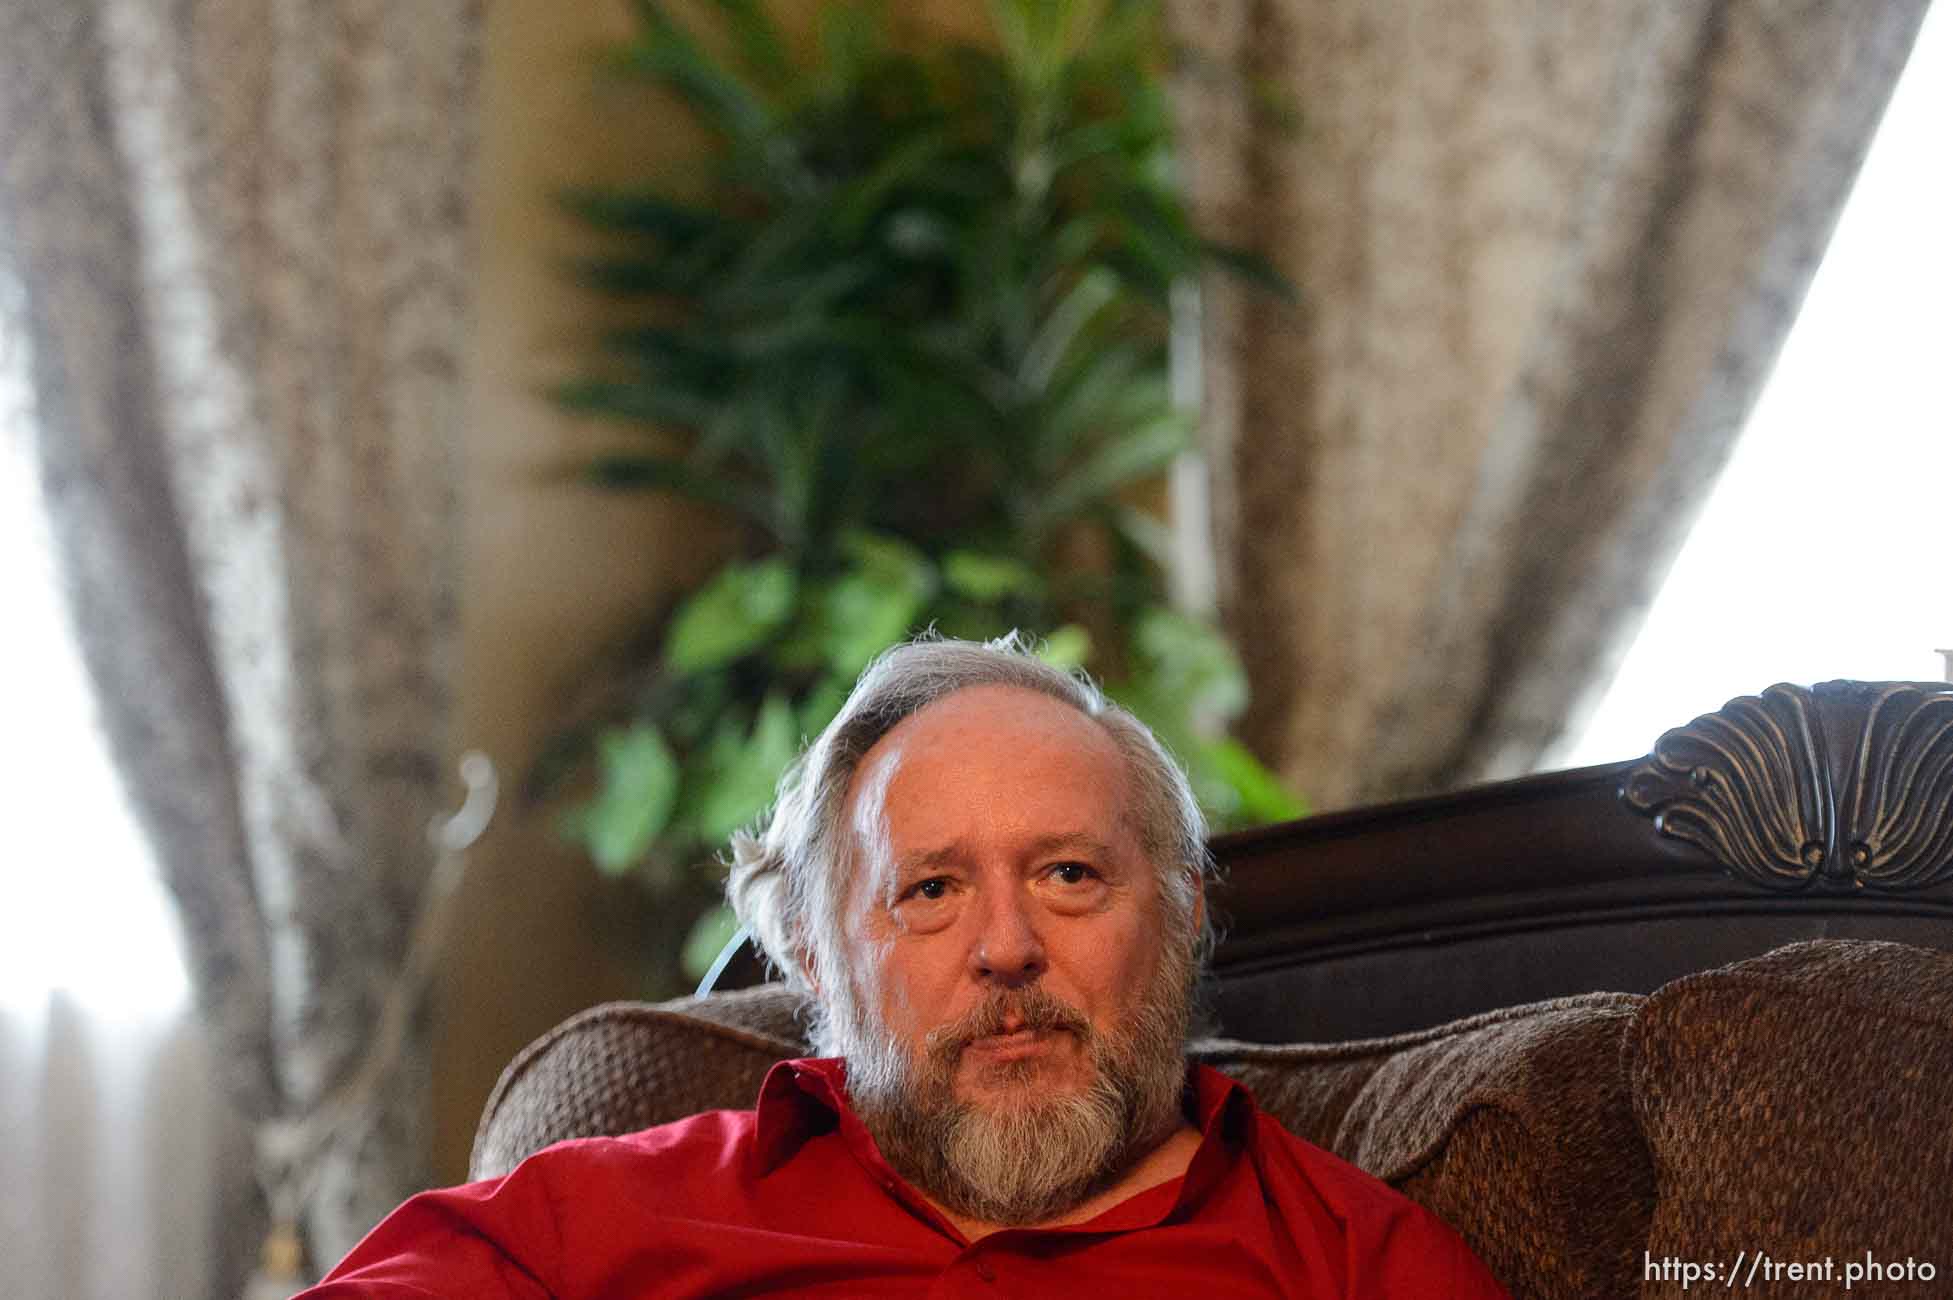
<point x="793" y="1198"/>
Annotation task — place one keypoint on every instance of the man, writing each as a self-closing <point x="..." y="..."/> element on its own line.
<point x="989" y="881"/>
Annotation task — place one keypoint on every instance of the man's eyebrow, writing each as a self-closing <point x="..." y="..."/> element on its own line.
<point x="929" y="860"/>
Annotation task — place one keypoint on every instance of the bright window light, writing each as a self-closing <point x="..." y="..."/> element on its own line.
<point x="1826" y="548"/>
<point x="82" y="912"/>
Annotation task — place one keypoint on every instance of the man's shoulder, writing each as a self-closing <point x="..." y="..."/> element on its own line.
<point x="1351" y="1191"/>
<point x="572" y="1210"/>
<point x="1403" y="1239"/>
<point x="797" y="1100"/>
<point x="710" y="1136"/>
<point x="1296" y="1171"/>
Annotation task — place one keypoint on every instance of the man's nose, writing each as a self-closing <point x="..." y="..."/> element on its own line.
<point x="1008" y="948"/>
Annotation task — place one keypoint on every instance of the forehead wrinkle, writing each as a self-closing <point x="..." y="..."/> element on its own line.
<point x="1075" y="841"/>
<point x="1050" y="842"/>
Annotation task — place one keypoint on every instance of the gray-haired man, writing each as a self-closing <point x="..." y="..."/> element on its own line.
<point x="989" y="881"/>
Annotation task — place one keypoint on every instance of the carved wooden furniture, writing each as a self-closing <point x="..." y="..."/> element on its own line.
<point x="1802" y="813"/>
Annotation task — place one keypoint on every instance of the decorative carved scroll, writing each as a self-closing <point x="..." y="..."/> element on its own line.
<point x="1838" y="787"/>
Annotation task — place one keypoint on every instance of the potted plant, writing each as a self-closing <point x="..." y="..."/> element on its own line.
<point x="907" y="322"/>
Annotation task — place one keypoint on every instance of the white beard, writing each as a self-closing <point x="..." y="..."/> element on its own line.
<point x="1030" y="1157"/>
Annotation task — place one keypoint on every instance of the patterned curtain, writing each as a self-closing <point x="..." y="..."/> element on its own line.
<point x="1546" y="255"/>
<point x="235" y="233"/>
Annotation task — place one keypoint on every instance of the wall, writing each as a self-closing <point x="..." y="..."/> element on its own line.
<point x="553" y="574"/>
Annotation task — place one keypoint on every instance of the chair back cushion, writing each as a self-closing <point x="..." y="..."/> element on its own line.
<point x="625" y="1066"/>
<point x="1514" y="1126"/>
<point x="1800" y="1105"/>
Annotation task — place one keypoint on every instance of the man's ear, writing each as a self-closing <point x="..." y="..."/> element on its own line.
<point x="804" y="958"/>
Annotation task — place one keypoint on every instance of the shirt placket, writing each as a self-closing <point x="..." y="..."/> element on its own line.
<point x="978" y="1268"/>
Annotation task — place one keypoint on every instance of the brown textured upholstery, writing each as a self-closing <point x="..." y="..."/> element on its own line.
<point x="1801" y="1104"/>
<point x="626" y="1066"/>
<point x="1514" y="1126"/>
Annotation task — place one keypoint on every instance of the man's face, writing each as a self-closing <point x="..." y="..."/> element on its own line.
<point x="993" y="852"/>
<point x="1012" y="975"/>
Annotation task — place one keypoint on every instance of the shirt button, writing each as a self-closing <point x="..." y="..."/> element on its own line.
<point x="984" y="1271"/>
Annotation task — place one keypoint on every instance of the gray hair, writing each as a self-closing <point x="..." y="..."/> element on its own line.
<point x="785" y="876"/>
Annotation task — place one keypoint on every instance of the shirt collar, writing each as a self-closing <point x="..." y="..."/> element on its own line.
<point x="1224" y="1111"/>
<point x="798" y="1100"/>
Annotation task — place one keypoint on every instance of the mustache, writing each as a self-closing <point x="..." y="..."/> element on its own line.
<point x="1030" y="1007"/>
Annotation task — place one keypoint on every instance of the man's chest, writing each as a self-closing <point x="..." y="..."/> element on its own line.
<point x="821" y="1225"/>
<point x="691" y="1258"/>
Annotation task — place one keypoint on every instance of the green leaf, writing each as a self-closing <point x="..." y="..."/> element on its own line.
<point x="1164" y="715"/>
<point x="762" y="285"/>
<point x="866" y="615"/>
<point x="1096" y="290"/>
<point x="822" y="704"/>
<point x="670" y="53"/>
<point x="630" y="277"/>
<point x="626" y="473"/>
<point x="732" y="614"/>
<point x="1158" y="221"/>
<point x="874" y="604"/>
<point x="690" y="707"/>
<point x="800" y="647"/>
<point x="708" y="938"/>
<point x="1090" y="392"/>
<point x="888" y="557"/>
<point x="1147" y="535"/>
<point x="642" y="211"/>
<point x="1260" y="793"/>
<point x="1187" y="659"/>
<point x="637" y="787"/>
<point x="1233" y="787"/>
<point x="659" y="404"/>
<point x="862" y="199"/>
<point x="964" y="621"/>
<point x="1253" y="268"/>
<point x="664" y="348"/>
<point x="743" y="772"/>
<point x="849" y="37"/>
<point x="758" y="38"/>
<point x="1068" y="647"/>
<point x="1117" y="461"/>
<point x="1089" y="141"/>
<point x="984" y="577"/>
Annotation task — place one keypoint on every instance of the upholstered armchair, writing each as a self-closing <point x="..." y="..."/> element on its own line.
<point x="1696" y="1008"/>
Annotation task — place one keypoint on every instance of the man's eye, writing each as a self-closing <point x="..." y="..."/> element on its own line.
<point x="1072" y="873"/>
<point x="932" y="889"/>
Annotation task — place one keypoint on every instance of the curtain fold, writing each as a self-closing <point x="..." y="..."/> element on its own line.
<point x="1546" y="256"/>
<point x="237" y="228"/>
<point x="108" y="1139"/>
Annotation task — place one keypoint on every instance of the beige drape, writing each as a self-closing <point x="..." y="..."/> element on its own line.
<point x="235" y="235"/>
<point x="1546" y="255"/>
